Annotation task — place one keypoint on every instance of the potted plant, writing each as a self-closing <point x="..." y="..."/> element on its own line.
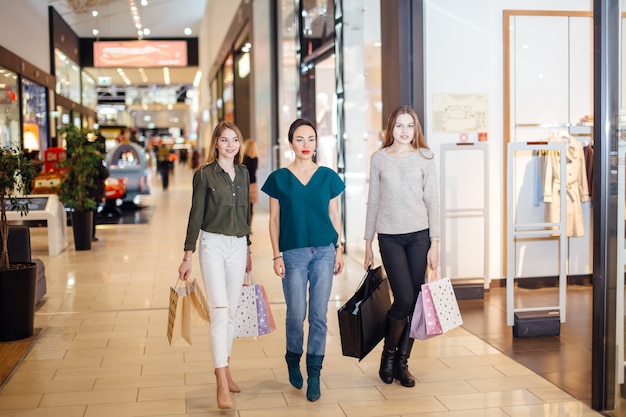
<point x="17" y="280"/>
<point x="75" y="191"/>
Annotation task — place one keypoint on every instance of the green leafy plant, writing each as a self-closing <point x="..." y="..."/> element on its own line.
<point x="81" y="165"/>
<point x="16" y="175"/>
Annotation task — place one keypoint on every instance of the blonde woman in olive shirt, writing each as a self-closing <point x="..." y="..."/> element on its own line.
<point x="220" y="214"/>
<point x="304" y="232"/>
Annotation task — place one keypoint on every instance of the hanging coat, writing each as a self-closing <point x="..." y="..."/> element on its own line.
<point x="576" y="187"/>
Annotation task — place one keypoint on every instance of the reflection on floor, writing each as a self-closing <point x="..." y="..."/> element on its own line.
<point x="127" y="213"/>
<point x="564" y="360"/>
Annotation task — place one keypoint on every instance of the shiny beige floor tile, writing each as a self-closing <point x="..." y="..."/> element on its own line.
<point x="297" y="397"/>
<point x="488" y="400"/>
<point x="427" y="389"/>
<point x="117" y="371"/>
<point x="75" y="411"/>
<point x="390" y="408"/>
<point x="24" y="401"/>
<point x="517" y="382"/>
<point x="310" y="410"/>
<point x="569" y="409"/>
<point x="474" y="372"/>
<point x="140" y="381"/>
<point x="119" y="353"/>
<point x="22" y="375"/>
<point x="173" y="392"/>
<point x="44" y="387"/>
<point x="484" y="412"/>
<point x="89" y="397"/>
<point x="135" y="409"/>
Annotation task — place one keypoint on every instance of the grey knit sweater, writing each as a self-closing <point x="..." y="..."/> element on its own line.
<point x="403" y="195"/>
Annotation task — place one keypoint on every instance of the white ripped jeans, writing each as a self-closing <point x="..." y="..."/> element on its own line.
<point x="223" y="266"/>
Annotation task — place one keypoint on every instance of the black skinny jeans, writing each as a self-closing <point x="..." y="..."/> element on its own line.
<point x="404" y="258"/>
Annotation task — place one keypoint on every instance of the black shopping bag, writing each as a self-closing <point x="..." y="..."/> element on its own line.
<point x="362" y="318"/>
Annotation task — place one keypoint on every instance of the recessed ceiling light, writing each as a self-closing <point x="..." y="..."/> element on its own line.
<point x="94" y="13"/>
<point x="187" y="31"/>
<point x="146" y="31"/>
<point x="95" y="32"/>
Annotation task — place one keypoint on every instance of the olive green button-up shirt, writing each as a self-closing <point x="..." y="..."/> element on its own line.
<point x="219" y="205"/>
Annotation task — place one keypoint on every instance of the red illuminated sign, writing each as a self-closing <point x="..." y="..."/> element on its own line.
<point x="140" y="54"/>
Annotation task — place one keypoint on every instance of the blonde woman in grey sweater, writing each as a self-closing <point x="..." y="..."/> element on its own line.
<point x="403" y="209"/>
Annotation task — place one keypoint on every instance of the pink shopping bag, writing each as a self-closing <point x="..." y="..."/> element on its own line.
<point x="425" y="323"/>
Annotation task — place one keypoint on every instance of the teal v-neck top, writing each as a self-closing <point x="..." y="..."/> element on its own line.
<point x="304" y="219"/>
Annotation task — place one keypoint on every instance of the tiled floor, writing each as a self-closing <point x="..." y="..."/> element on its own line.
<point x="103" y="351"/>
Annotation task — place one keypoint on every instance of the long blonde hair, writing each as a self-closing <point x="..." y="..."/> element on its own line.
<point x="217" y="133"/>
<point x="250" y="149"/>
<point x="418" y="141"/>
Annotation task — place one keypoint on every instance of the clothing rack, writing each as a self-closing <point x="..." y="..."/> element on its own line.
<point x="533" y="230"/>
<point x="464" y="213"/>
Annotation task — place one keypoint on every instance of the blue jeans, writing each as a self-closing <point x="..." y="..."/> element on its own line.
<point x="315" y="266"/>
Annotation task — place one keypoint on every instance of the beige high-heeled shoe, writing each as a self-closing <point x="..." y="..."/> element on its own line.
<point x="224" y="399"/>
<point x="232" y="385"/>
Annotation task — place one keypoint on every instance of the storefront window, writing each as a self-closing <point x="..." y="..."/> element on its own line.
<point x="287" y="73"/>
<point x="67" y="75"/>
<point x="325" y="114"/>
<point x="317" y="22"/>
<point x="35" y="115"/>
<point x="228" y="94"/>
<point x="363" y="112"/>
<point x="90" y="94"/>
<point x="9" y="109"/>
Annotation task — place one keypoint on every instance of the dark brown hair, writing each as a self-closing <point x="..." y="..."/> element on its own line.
<point x="296" y="124"/>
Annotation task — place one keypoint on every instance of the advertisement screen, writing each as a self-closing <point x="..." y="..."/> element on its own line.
<point x="140" y="54"/>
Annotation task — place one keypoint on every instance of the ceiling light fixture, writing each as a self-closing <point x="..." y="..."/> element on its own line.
<point x="197" y="78"/>
<point x="134" y="12"/>
<point x="124" y="76"/>
<point x="187" y="31"/>
<point x="166" y="75"/>
<point x="95" y="31"/>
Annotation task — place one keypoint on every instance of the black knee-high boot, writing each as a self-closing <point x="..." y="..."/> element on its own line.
<point x="393" y="332"/>
<point x="405" y="345"/>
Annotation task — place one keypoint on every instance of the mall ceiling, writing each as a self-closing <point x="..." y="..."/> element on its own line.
<point x="161" y="18"/>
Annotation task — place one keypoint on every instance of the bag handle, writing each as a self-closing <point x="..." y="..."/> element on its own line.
<point x="433" y="275"/>
<point x="180" y="283"/>
<point x="368" y="282"/>
<point x="249" y="279"/>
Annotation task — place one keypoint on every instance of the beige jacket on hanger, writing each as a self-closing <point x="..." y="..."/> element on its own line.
<point x="576" y="185"/>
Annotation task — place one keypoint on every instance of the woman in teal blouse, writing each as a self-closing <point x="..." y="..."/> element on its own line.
<point x="305" y="231"/>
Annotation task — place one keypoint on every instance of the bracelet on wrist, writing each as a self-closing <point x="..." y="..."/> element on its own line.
<point x="277" y="257"/>
<point x="186" y="259"/>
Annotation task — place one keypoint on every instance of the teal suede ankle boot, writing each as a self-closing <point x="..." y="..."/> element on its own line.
<point x="313" y="368"/>
<point x="293" y="365"/>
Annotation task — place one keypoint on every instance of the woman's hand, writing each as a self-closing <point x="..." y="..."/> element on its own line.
<point x="433" y="255"/>
<point x="369" y="257"/>
<point x="338" y="261"/>
<point x="279" y="267"/>
<point x="249" y="261"/>
<point x="184" y="270"/>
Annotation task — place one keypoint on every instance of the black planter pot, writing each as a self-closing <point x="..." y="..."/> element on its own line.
<point x="82" y="223"/>
<point x="17" y="302"/>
